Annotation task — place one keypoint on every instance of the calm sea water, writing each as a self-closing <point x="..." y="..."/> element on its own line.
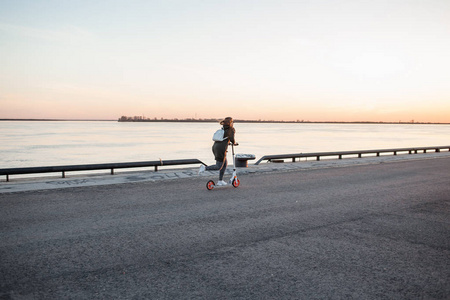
<point x="35" y="143"/>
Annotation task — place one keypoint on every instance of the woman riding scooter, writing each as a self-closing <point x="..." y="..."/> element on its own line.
<point x="220" y="150"/>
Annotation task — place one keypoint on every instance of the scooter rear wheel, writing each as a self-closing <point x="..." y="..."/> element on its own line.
<point x="236" y="183"/>
<point x="210" y="185"/>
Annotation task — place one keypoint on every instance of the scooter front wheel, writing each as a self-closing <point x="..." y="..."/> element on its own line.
<point x="210" y="185"/>
<point x="236" y="183"/>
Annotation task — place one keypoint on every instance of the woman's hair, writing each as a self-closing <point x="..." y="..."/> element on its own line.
<point x="227" y="121"/>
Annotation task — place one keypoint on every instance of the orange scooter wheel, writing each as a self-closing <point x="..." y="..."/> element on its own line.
<point x="210" y="185"/>
<point x="236" y="183"/>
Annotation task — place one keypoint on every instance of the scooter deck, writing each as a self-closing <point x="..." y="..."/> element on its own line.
<point x="211" y="184"/>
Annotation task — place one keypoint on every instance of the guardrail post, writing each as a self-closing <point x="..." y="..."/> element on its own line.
<point x="318" y="157"/>
<point x="156" y="168"/>
<point x="63" y="174"/>
<point x="7" y="177"/>
<point x="359" y="155"/>
<point x="112" y="171"/>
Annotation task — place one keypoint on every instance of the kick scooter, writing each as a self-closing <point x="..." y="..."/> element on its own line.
<point x="234" y="181"/>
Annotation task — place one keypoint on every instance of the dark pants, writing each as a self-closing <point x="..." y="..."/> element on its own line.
<point x="218" y="166"/>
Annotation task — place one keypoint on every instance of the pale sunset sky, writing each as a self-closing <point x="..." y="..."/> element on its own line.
<point x="317" y="60"/>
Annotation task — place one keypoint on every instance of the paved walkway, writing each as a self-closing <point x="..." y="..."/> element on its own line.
<point x="74" y="179"/>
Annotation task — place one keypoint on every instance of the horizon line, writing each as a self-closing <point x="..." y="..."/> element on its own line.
<point x="210" y="120"/>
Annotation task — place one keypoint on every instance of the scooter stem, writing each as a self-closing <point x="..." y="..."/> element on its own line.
<point x="234" y="160"/>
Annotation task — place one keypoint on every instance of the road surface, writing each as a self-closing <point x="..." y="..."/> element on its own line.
<point x="361" y="232"/>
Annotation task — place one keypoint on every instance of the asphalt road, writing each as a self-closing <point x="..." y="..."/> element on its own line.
<point x="362" y="232"/>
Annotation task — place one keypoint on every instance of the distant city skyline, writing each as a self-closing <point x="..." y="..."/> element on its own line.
<point x="162" y="119"/>
<point x="342" y="60"/>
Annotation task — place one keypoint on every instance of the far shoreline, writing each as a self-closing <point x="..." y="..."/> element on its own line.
<point x="162" y="120"/>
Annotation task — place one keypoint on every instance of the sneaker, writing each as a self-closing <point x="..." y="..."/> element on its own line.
<point x="221" y="183"/>
<point x="201" y="169"/>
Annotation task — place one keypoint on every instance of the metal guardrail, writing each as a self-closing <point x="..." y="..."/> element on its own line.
<point x="340" y="154"/>
<point x="160" y="163"/>
<point x="90" y="167"/>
